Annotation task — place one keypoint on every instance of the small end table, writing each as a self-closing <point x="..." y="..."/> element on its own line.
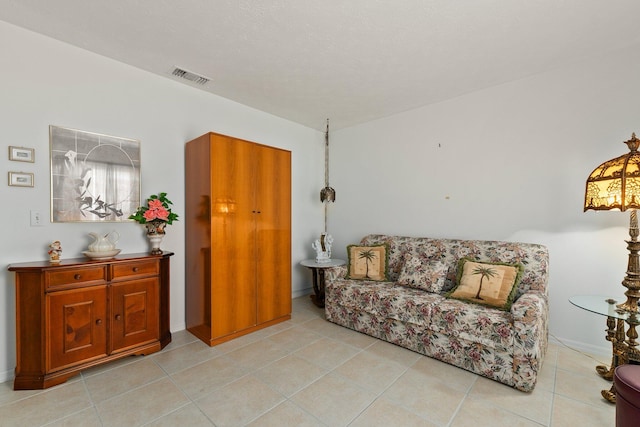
<point x="623" y="345"/>
<point x="317" y="269"/>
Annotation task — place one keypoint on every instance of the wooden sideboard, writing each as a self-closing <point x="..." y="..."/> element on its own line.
<point x="82" y="313"/>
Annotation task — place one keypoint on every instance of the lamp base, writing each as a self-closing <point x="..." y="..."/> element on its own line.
<point x="632" y="279"/>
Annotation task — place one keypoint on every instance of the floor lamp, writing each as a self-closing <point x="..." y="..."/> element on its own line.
<point x="615" y="185"/>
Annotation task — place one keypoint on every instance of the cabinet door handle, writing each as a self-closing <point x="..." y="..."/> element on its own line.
<point x="118" y="317"/>
<point x="135" y="269"/>
<point x="98" y="321"/>
<point x="77" y="276"/>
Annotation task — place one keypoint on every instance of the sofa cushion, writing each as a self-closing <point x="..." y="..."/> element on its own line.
<point x="488" y="283"/>
<point x="367" y="262"/>
<point x="386" y="300"/>
<point x="473" y="323"/>
<point x="428" y="276"/>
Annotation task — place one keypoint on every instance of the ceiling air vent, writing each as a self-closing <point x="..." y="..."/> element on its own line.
<point x="188" y="75"/>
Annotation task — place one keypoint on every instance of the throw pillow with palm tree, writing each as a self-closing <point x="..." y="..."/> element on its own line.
<point x="367" y="262"/>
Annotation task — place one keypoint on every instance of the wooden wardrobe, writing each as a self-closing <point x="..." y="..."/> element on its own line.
<point x="238" y="237"/>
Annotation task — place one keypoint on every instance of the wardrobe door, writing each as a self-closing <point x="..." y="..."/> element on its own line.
<point x="273" y="232"/>
<point x="233" y="273"/>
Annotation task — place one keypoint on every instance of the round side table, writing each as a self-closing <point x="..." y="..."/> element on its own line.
<point x="317" y="269"/>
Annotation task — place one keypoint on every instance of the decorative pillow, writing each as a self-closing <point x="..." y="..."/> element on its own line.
<point x="368" y="262"/>
<point x="420" y="274"/>
<point x="488" y="283"/>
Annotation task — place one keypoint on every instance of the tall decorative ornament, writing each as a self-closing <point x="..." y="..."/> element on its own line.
<point x="322" y="246"/>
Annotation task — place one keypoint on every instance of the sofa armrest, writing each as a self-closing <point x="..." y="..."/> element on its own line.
<point x="335" y="273"/>
<point x="531" y="326"/>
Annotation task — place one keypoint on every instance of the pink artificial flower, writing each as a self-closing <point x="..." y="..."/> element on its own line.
<point x="162" y="213"/>
<point x="150" y="215"/>
<point x="155" y="204"/>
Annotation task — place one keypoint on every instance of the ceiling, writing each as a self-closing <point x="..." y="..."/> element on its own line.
<point x="348" y="60"/>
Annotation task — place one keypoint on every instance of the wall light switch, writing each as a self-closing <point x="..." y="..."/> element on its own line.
<point x="36" y="219"/>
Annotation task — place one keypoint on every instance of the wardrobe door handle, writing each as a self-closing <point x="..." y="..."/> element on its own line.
<point x="98" y="321"/>
<point x="135" y="269"/>
<point x="118" y="317"/>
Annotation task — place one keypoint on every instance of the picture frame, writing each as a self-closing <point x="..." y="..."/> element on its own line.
<point x="22" y="154"/>
<point x="21" y="179"/>
<point x="94" y="177"/>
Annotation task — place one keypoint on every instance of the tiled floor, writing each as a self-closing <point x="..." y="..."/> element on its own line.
<point x="308" y="372"/>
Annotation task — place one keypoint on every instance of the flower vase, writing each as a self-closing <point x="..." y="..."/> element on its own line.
<point x="155" y="235"/>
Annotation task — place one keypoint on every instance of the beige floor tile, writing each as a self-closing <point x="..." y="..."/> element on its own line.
<point x="585" y="388"/>
<point x="286" y="414"/>
<point x="100" y="369"/>
<point x="334" y="399"/>
<point x="322" y="327"/>
<point x="383" y="413"/>
<point x="456" y="378"/>
<point x="580" y="363"/>
<point x="8" y="394"/>
<point x="239" y="342"/>
<point x="180" y="338"/>
<point x="569" y="412"/>
<point x="86" y="418"/>
<point x="370" y="371"/>
<point x="535" y="406"/>
<point x="185" y="356"/>
<point x="327" y="353"/>
<point x="428" y="397"/>
<point x="353" y="338"/>
<point x="294" y="338"/>
<point x="394" y="352"/>
<point x="208" y="376"/>
<point x="258" y="354"/>
<point x="302" y="316"/>
<point x="189" y="415"/>
<point x="240" y="402"/>
<point x="290" y="374"/>
<point x="546" y="377"/>
<point x="124" y="378"/>
<point x="141" y="405"/>
<point x="53" y="404"/>
<point x="480" y="413"/>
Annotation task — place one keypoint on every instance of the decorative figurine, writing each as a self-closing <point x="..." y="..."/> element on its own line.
<point x="55" y="252"/>
<point x="322" y="246"/>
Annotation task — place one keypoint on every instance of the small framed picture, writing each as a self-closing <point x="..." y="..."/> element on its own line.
<point x="21" y="154"/>
<point x="20" y="179"/>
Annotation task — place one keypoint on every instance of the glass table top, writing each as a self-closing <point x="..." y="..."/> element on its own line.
<point x="603" y="305"/>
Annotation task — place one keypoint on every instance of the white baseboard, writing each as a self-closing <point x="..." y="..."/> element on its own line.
<point x="594" y="350"/>
<point x="301" y="292"/>
<point x="6" y="376"/>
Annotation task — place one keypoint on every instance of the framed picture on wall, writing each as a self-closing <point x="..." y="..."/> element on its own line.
<point x="20" y="179"/>
<point x="94" y="177"/>
<point x="21" y="154"/>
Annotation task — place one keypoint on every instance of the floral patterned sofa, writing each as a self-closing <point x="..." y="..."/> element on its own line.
<point x="506" y="346"/>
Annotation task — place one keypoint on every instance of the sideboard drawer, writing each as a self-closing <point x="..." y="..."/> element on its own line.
<point x="75" y="276"/>
<point x="140" y="268"/>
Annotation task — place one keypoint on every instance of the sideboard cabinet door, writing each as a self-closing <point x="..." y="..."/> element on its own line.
<point x="78" y="326"/>
<point x="134" y="313"/>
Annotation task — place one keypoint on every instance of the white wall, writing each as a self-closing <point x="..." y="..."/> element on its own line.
<point x="505" y="163"/>
<point x="44" y="82"/>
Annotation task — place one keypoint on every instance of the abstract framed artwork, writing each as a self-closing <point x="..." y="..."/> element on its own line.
<point x="20" y="179"/>
<point x="21" y="154"/>
<point x="94" y="177"/>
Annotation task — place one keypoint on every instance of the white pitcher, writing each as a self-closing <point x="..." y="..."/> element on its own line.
<point x="104" y="243"/>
